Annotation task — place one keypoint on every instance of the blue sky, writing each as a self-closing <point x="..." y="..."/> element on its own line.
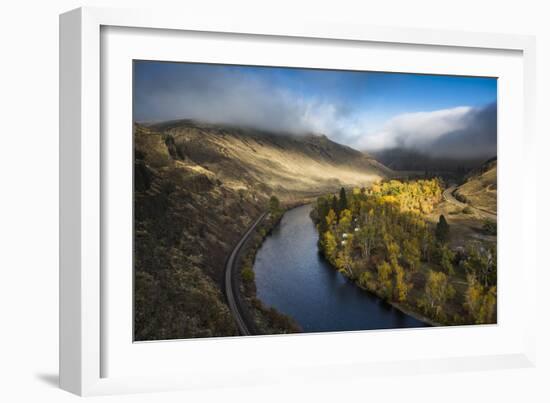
<point x="360" y="109"/>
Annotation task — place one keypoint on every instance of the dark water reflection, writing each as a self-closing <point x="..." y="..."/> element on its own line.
<point x="292" y="277"/>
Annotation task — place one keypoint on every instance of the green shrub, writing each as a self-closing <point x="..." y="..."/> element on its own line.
<point x="247" y="274"/>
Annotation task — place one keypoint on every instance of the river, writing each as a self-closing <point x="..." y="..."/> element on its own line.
<point x="292" y="277"/>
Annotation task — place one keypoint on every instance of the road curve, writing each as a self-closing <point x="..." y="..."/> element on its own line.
<point x="448" y="195"/>
<point x="230" y="269"/>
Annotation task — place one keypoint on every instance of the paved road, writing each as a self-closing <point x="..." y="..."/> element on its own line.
<point x="448" y="195"/>
<point x="230" y="269"/>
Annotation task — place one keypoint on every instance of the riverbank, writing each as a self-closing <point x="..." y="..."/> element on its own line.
<point x="401" y="307"/>
<point x="260" y="318"/>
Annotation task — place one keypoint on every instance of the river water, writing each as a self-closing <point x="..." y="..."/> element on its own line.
<point x="292" y="277"/>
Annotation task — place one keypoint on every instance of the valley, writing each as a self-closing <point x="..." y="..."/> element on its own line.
<point x="197" y="189"/>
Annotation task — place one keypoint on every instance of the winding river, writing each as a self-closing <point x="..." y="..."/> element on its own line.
<point x="292" y="277"/>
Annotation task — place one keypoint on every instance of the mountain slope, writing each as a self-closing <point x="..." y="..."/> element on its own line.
<point x="480" y="188"/>
<point x="196" y="189"/>
<point x="286" y="165"/>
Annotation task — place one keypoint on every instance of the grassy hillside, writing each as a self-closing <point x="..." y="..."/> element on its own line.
<point x="197" y="188"/>
<point x="480" y="188"/>
<point x="265" y="163"/>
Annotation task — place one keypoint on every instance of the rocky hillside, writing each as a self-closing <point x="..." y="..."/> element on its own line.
<point x="197" y="187"/>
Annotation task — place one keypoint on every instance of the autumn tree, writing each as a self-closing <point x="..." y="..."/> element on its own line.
<point x="331" y="219"/>
<point x="344" y="223"/>
<point x="366" y="238"/>
<point x="329" y="246"/>
<point x="344" y="260"/>
<point x="401" y="286"/>
<point x="384" y="272"/>
<point x="436" y="292"/>
<point x="411" y="253"/>
<point x="479" y="301"/>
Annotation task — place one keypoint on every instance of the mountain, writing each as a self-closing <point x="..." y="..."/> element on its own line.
<point x="197" y="187"/>
<point x="265" y="163"/>
<point x="480" y="188"/>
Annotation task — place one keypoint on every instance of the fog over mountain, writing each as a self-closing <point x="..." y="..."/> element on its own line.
<point x="367" y="111"/>
<point x="459" y="133"/>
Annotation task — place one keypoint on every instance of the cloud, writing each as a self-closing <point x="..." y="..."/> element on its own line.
<point x="225" y="96"/>
<point x="461" y="132"/>
<point x="230" y="97"/>
<point x="216" y="94"/>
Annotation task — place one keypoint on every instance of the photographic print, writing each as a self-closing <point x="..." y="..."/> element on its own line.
<point x="276" y="200"/>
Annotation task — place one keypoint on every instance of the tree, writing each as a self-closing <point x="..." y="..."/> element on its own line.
<point x="384" y="279"/>
<point x="428" y="245"/>
<point x="334" y="204"/>
<point x="442" y="229"/>
<point x="480" y="301"/>
<point x="392" y="250"/>
<point x="367" y="238"/>
<point x="329" y="246"/>
<point x="320" y="214"/>
<point x="437" y="291"/>
<point x="481" y="263"/>
<point x="344" y="223"/>
<point x="447" y="257"/>
<point x="344" y="261"/>
<point x="401" y="286"/>
<point x="331" y="219"/>
<point x="411" y="253"/>
<point x="343" y="201"/>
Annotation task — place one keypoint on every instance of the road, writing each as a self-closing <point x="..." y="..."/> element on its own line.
<point x="448" y="195"/>
<point x="230" y="269"/>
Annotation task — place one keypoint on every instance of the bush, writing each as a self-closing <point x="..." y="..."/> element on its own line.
<point x="467" y="210"/>
<point x="247" y="274"/>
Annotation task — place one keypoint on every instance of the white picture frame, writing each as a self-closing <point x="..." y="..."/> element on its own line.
<point x="87" y="343"/>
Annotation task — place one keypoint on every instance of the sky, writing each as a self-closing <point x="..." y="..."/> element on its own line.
<point x="369" y="111"/>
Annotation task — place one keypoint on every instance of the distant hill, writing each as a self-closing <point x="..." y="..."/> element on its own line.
<point x="480" y="188"/>
<point x="403" y="159"/>
<point x="197" y="187"/>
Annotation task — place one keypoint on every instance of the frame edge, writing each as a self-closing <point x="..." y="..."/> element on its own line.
<point x="70" y="293"/>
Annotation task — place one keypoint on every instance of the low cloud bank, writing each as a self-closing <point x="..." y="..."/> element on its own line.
<point x="462" y="132"/>
<point x="230" y="97"/>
